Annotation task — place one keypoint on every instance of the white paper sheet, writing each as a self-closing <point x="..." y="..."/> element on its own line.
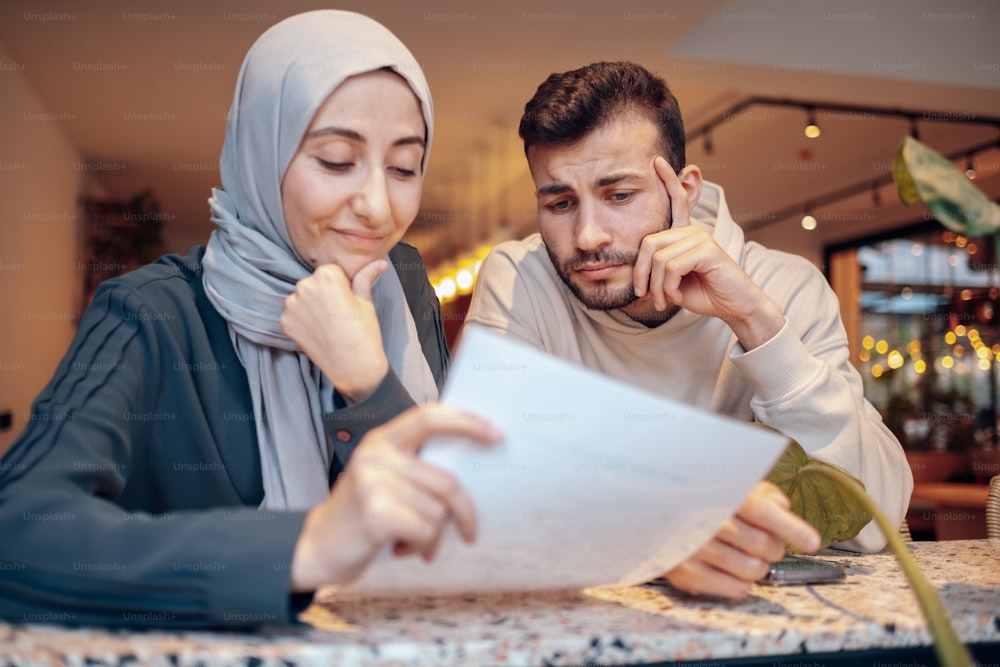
<point x="595" y="483"/>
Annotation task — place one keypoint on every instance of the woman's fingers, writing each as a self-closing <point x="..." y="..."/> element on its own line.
<point x="409" y="431"/>
<point x="364" y="280"/>
<point x="405" y="500"/>
<point x="388" y="496"/>
<point x="434" y="496"/>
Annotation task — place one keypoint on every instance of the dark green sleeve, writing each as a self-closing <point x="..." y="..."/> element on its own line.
<point x="118" y="504"/>
<point x="346" y="427"/>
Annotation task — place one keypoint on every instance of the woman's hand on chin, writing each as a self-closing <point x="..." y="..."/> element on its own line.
<point x="333" y="320"/>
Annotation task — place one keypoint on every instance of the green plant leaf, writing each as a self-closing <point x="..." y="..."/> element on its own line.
<point x="835" y="503"/>
<point x="923" y="174"/>
<point x="829" y="508"/>
<point x="950" y="650"/>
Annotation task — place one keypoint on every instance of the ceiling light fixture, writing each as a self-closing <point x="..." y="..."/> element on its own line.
<point x="808" y="221"/>
<point x="812" y="129"/>
<point x="911" y="115"/>
<point x="866" y="186"/>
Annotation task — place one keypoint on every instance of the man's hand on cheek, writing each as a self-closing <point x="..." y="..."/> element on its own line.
<point x="686" y="267"/>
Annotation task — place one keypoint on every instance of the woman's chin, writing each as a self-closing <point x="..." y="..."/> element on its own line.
<point x="352" y="265"/>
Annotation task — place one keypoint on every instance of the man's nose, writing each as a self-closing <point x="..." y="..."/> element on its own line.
<point x="590" y="233"/>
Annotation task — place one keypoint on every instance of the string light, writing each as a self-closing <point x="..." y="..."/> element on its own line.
<point x="446" y="288"/>
<point x="459" y="278"/>
<point x="808" y="222"/>
<point x="970" y="169"/>
<point x="464" y="281"/>
<point x="961" y="359"/>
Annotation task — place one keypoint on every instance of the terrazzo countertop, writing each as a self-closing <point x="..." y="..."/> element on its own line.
<point x="873" y="608"/>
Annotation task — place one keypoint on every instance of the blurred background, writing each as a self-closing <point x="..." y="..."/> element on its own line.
<point x="112" y="117"/>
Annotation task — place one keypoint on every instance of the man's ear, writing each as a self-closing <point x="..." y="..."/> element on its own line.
<point x="691" y="181"/>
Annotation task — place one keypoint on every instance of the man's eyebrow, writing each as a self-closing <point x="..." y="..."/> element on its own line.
<point x="603" y="182"/>
<point x="553" y="189"/>
<point x="616" y="177"/>
<point x="354" y="136"/>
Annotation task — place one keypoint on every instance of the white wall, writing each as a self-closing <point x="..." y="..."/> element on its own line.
<point x="40" y="183"/>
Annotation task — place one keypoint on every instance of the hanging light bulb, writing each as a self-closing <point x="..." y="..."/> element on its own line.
<point x="914" y="132"/>
<point x="808" y="222"/>
<point x="812" y="129"/>
<point x="708" y="145"/>
<point x="970" y="169"/>
<point x="876" y="197"/>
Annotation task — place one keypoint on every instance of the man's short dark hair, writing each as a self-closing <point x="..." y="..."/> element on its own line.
<point x="569" y="105"/>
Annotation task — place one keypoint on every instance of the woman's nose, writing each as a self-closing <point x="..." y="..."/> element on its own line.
<point x="372" y="201"/>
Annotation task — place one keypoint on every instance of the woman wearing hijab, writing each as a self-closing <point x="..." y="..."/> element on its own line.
<point x="178" y="467"/>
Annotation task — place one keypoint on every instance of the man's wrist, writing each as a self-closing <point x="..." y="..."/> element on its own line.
<point x="761" y="325"/>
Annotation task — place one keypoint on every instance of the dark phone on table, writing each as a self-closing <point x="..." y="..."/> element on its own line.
<point x="792" y="570"/>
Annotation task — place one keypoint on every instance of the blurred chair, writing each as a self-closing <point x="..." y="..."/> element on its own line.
<point x="993" y="509"/>
<point x="904" y="531"/>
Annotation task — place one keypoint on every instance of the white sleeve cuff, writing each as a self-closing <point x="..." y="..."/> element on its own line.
<point x="778" y="368"/>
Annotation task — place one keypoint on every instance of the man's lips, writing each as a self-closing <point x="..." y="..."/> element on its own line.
<point x="598" y="271"/>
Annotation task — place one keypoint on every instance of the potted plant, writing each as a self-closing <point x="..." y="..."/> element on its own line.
<point x="836" y="504"/>
<point x="830" y="499"/>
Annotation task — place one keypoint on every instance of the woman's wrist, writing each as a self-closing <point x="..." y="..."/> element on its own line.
<point x="365" y="381"/>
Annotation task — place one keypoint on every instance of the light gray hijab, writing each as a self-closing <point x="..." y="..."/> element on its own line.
<point x="250" y="265"/>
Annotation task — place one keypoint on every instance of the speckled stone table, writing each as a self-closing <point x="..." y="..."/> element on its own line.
<point x="872" y="610"/>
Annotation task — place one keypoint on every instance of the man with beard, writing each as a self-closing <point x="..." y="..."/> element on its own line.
<point x="641" y="273"/>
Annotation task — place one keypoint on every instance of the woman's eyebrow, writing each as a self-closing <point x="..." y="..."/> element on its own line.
<point x="354" y="136"/>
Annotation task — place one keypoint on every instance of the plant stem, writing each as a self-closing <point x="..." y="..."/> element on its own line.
<point x="950" y="650"/>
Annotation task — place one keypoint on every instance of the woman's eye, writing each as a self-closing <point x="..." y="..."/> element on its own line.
<point x="403" y="171"/>
<point x="334" y="166"/>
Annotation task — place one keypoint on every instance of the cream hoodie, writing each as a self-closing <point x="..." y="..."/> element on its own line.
<point x="801" y="381"/>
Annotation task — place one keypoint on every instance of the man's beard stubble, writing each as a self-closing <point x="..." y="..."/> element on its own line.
<point x="602" y="296"/>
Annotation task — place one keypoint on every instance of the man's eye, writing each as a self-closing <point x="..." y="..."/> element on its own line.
<point x="560" y="206"/>
<point x="621" y="197"/>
